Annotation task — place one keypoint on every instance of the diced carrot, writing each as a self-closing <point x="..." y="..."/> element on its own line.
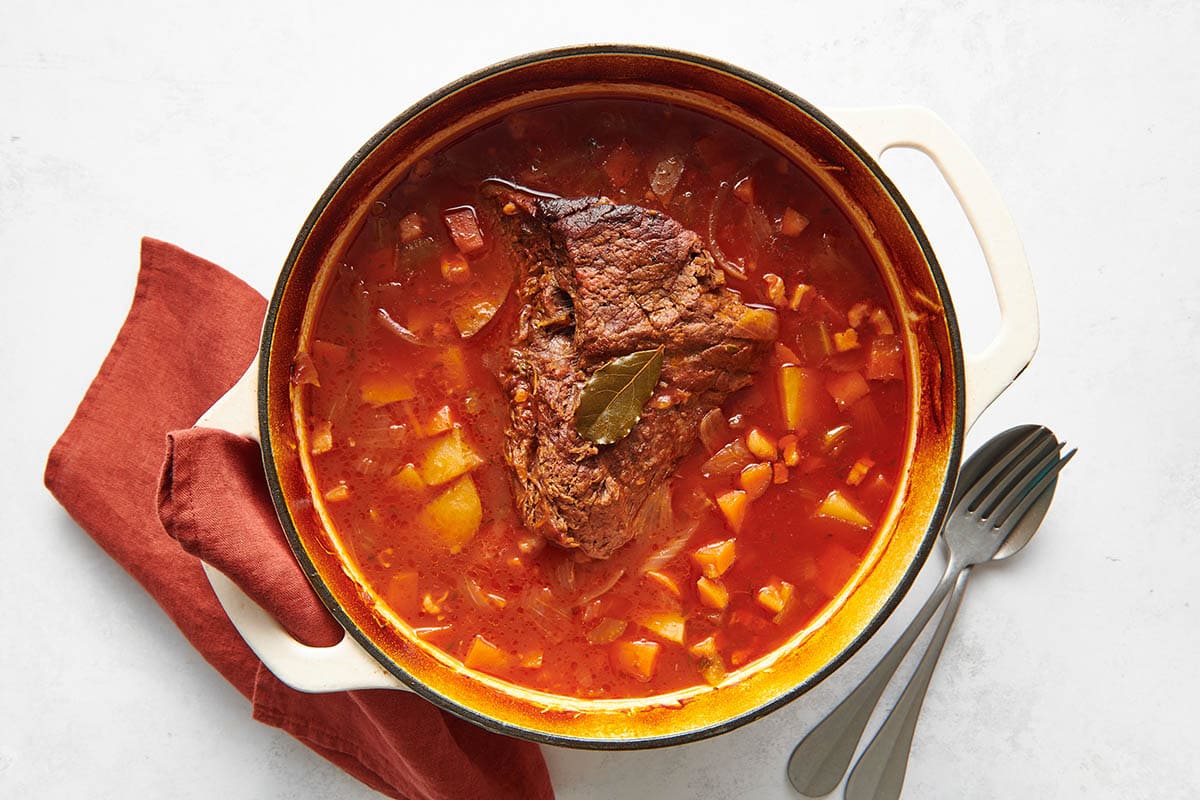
<point x="779" y="472"/>
<point x="712" y="593"/>
<point x="801" y="291"/>
<point x="761" y="445"/>
<point x="776" y="291"/>
<point x="775" y="596"/>
<point x="620" y="165"/>
<point x="789" y="448"/>
<point x="665" y="581"/>
<point x="798" y="388"/>
<point x="411" y="227"/>
<point x="448" y="457"/>
<point x="471" y="318"/>
<point x="407" y="479"/>
<point x="485" y="656"/>
<point x="531" y="660"/>
<point x="756" y="479"/>
<point x="638" y="658"/>
<point x="716" y="558"/>
<point x="455" y="269"/>
<point x="857" y="314"/>
<point x="338" y="493"/>
<point x="440" y="422"/>
<point x="744" y="190"/>
<point x="705" y="648"/>
<point x="378" y="389"/>
<point x="454" y="516"/>
<point x="847" y="387"/>
<point x="321" y="440"/>
<point x="845" y="340"/>
<point x="859" y="471"/>
<point x="885" y="359"/>
<point x="835" y="565"/>
<point x="665" y="624"/>
<point x="793" y="222"/>
<point x="757" y="324"/>
<point x="733" y="506"/>
<point x="464" y="230"/>
<point x="401" y="593"/>
<point x="837" y="506"/>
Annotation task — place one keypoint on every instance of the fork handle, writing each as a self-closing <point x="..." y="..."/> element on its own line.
<point x="879" y="773"/>
<point x="820" y="760"/>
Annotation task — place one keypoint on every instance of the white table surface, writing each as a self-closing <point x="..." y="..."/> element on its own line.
<point x="1072" y="670"/>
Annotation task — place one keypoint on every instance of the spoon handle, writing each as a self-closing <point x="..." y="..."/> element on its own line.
<point x="819" y="761"/>
<point x="879" y="773"/>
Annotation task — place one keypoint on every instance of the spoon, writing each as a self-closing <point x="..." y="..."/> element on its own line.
<point x="819" y="761"/>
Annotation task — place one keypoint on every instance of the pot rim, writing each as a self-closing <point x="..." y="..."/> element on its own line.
<point x="492" y="723"/>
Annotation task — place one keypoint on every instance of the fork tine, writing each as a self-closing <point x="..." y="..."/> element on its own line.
<point x="1032" y="464"/>
<point x="1017" y="503"/>
<point x="971" y="497"/>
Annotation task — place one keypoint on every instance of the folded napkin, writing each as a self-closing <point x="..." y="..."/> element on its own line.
<point x="190" y="334"/>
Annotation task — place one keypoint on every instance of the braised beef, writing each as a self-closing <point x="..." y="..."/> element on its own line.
<point x="597" y="281"/>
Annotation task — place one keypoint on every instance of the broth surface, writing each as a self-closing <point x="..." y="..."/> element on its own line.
<point x="779" y="499"/>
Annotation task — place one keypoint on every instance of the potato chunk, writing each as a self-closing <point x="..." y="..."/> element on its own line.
<point x="638" y="659"/>
<point x="455" y="514"/>
<point x="664" y="624"/>
<point x="447" y="458"/>
<point x="837" y="506"/>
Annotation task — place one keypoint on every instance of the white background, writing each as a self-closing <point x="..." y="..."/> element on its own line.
<point x="1072" y="670"/>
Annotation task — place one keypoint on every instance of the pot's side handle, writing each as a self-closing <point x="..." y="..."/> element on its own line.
<point x="990" y="372"/>
<point x="307" y="669"/>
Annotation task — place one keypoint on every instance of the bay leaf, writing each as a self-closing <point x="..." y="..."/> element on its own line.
<point x="612" y="399"/>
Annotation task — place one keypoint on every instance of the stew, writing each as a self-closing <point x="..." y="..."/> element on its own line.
<point x="432" y="347"/>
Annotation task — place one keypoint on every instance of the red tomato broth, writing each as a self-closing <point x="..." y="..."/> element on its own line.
<point x="507" y="602"/>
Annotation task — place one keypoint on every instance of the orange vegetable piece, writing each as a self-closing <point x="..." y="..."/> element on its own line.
<point x="733" y="506"/>
<point x="761" y="445"/>
<point x="401" y="593"/>
<point x="322" y="437"/>
<point x="744" y="190"/>
<point x="837" y="506"/>
<point x="846" y="340"/>
<point x="846" y="388"/>
<point x="789" y="447"/>
<point x="756" y="479"/>
<point x="408" y="479"/>
<point x="775" y="596"/>
<point x="835" y="565"/>
<point x="662" y="579"/>
<point x="712" y="593"/>
<point x="780" y="472"/>
<point x="638" y="658"/>
<point x="715" y="559"/>
<point x="485" y="656"/>
<point x="455" y="269"/>
<point x="793" y="222"/>
<point x="705" y="648"/>
<point x="859" y="471"/>
<point x="338" y="493"/>
<point x="411" y="227"/>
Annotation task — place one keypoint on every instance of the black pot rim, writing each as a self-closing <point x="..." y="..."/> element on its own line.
<point x="491" y="723"/>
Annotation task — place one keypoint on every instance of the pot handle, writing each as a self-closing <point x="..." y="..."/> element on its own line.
<point x="988" y="373"/>
<point x="341" y="667"/>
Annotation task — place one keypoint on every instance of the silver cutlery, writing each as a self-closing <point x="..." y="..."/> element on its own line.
<point x="1003" y="493"/>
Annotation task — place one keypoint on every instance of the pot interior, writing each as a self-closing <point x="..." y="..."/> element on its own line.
<point x="885" y="226"/>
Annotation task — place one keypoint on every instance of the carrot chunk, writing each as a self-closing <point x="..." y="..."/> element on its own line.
<point x="716" y="558"/>
<point x="775" y="597"/>
<point x="733" y="506"/>
<point x="638" y="658"/>
<point x="793" y="222"/>
<point x="322" y="437"/>
<point x="761" y="445"/>
<point x="338" y="493"/>
<point x="847" y="387"/>
<point x="837" y="506"/>
<point x="756" y="479"/>
<point x="712" y="593"/>
<point x="485" y="656"/>
<point x="859" y="471"/>
<point x="662" y="579"/>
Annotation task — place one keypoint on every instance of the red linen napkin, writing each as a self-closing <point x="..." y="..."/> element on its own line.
<point x="190" y="334"/>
